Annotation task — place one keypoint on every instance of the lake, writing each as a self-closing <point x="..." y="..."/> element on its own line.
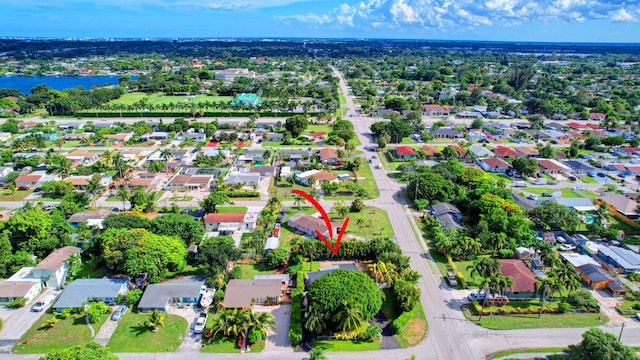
<point x="24" y="84"/>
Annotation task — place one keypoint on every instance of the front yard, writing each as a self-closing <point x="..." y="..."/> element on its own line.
<point x="17" y="195"/>
<point x="368" y="223"/>
<point x="66" y="333"/>
<point x="132" y="335"/>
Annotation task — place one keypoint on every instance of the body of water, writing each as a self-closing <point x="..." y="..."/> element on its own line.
<point x="24" y="84"/>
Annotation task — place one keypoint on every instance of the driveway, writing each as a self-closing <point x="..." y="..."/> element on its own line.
<point x="277" y="340"/>
<point x="191" y="341"/>
<point x="15" y="322"/>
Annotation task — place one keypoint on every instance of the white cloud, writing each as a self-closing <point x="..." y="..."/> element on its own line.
<point x="621" y="15"/>
<point x="464" y="14"/>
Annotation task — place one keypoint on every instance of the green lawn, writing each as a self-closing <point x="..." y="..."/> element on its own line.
<point x="132" y="336"/>
<point x="249" y="270"/>
<point x="589" y="180"/>
<point x="88" y="272"/>
<point x="538" y="191"/>
<point x="181" y="198"/>
<point x="505" y="178"/>
<point x="132" y="98"/>
<point x="415" y="330"/>
<point x="17" y="195"/>
<point x="66" y="333"/>
<point x="346" y="345"/>
<point x="407" y="140"/>
<point x="231" y="209"/>
<point x="375" y="222"/>
<point x="531" y="321"/>
<point x="369" y="182"/>
<point x="318" y="128"/>
<point x="501" y="354"/>
<point x="570" y="193"/>
<point x="112" y="198"/>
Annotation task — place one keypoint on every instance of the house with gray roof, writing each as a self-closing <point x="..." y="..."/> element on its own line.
<point x="52" y="270"/>
<point x="481" y="151"/>
<point x="243" y="294"/>
<point x="177" y="291"/>
<point x="315" y="275"/>
<point x="620" y="258"/>
<point x="580" y="204"/>
<point x="448" y="214"/>
<point x="82" y="291"/>
<point x="243" y="178"/>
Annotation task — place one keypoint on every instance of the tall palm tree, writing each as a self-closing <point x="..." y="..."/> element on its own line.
<point x="571" y="285"/>
<point x="123" y="195"/>
<point x="484" y="267"/>
<point x="343" y="211"/>
<point x="262" y="321"/>
<point x="350" y="316"/>
<point x="543" y="287"/>
<point x="315" y="322"/>
<point x="166" y="155"/>
<point x="95" y="187"/>
<point x="298" y="200"/>
<point x="274" y="202"/>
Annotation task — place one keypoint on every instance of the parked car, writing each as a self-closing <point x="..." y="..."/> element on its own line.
<point x="186" y="211"/>
<point x="532" y="197"/>
<point x="579" y="187"/>
<point x="567" y="247"/>
<point x="115" y="209"/>
<point x="118" y="312"/>
<point x="476" y="296"/>
<point x="451" y="278"/>
<point x="42" y="303"/>
<point x="198" y="214"/>
<point x="200" y="323"/>
<point x="638" y="316"/>
<point x="546" y="194"/>
<point x="24" y="188"/>
<point x="37" y="190"/>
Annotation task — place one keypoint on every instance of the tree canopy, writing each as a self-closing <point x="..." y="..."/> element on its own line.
<point x="554" y="216"/>
<point x="600" y="345"/>
<point x="90" y="351"/>
<point x="215" y="253"/>
<point x="185" y="227"/>
<point x="296" y="125"/>
<point x="329" y="293"/>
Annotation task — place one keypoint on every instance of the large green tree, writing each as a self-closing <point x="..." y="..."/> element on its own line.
<point x="138" y="251"/>
<point x="328" y="294"/>
<point x="215" y="253"/>
<point x="525" y="166"/>
<point x="555" y="216"/>
<point x="599" y="345"/>
<point x="185" y="227"/>
<point x="211" y="202"/>
<point x="296" y="125"/>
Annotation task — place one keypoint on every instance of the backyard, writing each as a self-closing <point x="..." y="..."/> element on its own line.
<point x="369" y="222"/>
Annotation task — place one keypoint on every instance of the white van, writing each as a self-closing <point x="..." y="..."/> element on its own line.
<point x="520" y="184"/>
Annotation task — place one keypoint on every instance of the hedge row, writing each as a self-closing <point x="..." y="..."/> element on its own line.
<point x="401" y="321"/>
<point x="187" y="113"/>
<point x="295" y="323"/>
<point x="240" y="194"/>
<point x="518" y="310"/>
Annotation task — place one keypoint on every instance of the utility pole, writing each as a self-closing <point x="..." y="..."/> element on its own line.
<point x="621" y="329"/>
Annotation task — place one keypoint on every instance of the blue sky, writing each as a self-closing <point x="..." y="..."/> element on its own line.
<point x="510" y="20"/>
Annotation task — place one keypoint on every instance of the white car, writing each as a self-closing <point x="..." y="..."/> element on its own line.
<point x="201" y="322"/>
<point x="42" y="303"/>
<point x="476" y="296"/>
<point x="578" y="187"/>
<point x="567" y="247"/>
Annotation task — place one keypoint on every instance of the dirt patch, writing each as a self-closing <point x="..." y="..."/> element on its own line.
<point x="415" y="331"/>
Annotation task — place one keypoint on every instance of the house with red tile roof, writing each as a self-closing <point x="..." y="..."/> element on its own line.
<point x="28" y="180"/>
<point x="577" y="126"/>
<point x="524" y="279"/>
<point x="405" y="152"/>
<point x="315" y="136"/>
<point x="328" y="156"/>
<point x="459" y="150"/>
<point x="495" y="165"/>
<point x="506" y="152"/>
<point x="430" y="150"/>
<point x="597" y="116"/>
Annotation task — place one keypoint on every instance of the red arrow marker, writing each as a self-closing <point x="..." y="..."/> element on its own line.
<point x="327" y="222"/>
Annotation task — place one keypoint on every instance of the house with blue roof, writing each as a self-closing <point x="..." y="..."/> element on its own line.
<point x="82" y="291"/>
<point x="620" y="258"/>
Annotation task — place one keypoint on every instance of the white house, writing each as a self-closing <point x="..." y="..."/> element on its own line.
<point x="22" y="284"/>
<point x="52" y="271"/>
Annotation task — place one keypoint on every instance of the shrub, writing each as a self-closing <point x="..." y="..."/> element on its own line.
<point x="505" y="253"/>
<point x="96" y="310"/>
<point x="255" y="336"/>
<point x="401" y="321"/>
<point x="64" y="314"/>
<point x="371" y="333"/>
<point x="634" y="276"/>
<point x="564" y="307"/>
<point x="295" y="323"/>
<point x="461" y="279"/>
<point x="16" y="303"/>
<point x="133" y="297"/>
<point x="240" y="194"/>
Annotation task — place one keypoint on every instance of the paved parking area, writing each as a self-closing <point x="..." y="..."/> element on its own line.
<point x="15" y="322"/>
<point x="191" y="341"/>
<point x="277" y="340"/>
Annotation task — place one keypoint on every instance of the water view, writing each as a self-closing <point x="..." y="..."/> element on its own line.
<point x="25" y="83"/>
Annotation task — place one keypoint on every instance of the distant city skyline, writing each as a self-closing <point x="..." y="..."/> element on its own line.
<point x="491" y="20"/>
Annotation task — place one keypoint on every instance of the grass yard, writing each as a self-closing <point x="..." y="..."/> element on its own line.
<point x="531" y="321"/>
<point x="415" y="330"/>
<point x="368" y="223"/>
<point x="249" y="270"/>
<point x="87" y="272"/>
<point x="132" y="98"/>
<point x="132" y="336"/>
<point x="232" y="209"/>
<point x="369" y="183"/>
<point x="501" y="354"/>
<point x="346" y="345"/>
<point x="589" y="180"/>
<point x="408" y="140"/>
<point x="318" y="128"/>
<point x="570" y="193"/>
<point x="17" y="195"/>
<point x="538" y="191"/>
<point x="112" y="198"/>
<point x="180" y="198"/>
<point x="66" y="333"/>
<point x="507" y="180"/>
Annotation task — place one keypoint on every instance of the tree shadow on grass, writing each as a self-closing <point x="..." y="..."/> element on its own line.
<point x="139" y="329"/>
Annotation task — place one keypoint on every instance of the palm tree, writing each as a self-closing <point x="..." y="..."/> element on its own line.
<point x="483" y="267"/>
<point x="155" y="320"/>
<point x="315" y="322"/>
<point x="343" y="211"/>
<point x="298" y="200"/>
<point x="274" y="202"/>
<point x="120" y="164"/>
<point x="166" y="155"/>
<point x="349" y="147"/>
<point x="350" y="316"/>
<point x="317" y="354"/>
<point x="95" y="187"/>
<point x="261" y="321"/>
<point x="571" y="285"/>
<point x="59" y="143"/>
<point x="123" y="194"/>
<point x="543" y="287"/>
<point x="50" y="324"/>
